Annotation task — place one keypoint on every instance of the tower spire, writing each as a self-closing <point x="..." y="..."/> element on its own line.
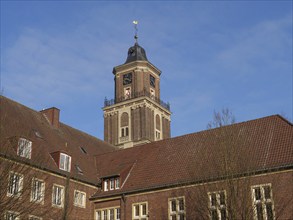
<point x="136" y="30"/>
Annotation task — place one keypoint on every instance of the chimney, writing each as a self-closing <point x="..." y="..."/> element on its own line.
<point x="52" y="115"/>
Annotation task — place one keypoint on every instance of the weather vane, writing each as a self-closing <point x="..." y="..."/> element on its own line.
<point x="135" y="27"/>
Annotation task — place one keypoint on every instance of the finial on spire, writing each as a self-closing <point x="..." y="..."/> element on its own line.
<point x="135" y="27"/>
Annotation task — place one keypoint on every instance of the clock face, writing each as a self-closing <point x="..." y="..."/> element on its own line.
<point x="127" y="78"/>
<point x="152" y="81"/>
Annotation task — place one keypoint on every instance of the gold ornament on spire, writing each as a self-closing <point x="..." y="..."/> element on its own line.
<point x="135" y="27"/>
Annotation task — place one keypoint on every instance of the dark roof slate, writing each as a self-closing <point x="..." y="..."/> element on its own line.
<point x="136" y="53"/>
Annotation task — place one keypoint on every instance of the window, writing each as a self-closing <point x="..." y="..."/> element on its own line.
<point x="79" y="198"/>
<point x="65" y="162"/>
<point x="177" y="208"/>
<point x="15" y="184"/>
<point x="105" y="214"/>
<point x="38" y="190"/>
<point x="58" y="195"/>
<point x="217" y="205"/>
<point x="139" y="211"/>
<point x="158" y="135"/>
<point x="24" y="148"/>
<point x="111" y="214"/>
<point x="127" y="93"/>
<point x="10" y="215"/>
<point x="105" y="185"/>
<point x="158" y="128"/>
<point x="263" y="202"/>
<point x="108" y="214"/>
<point x="117" y="183"/>
<point x="124" y="127"/>
<point x="32" y="217"/>
<point x="152" y="81"/>
<point x="152" y="93"/>
<point x="112" y="183"/>
<point x="117" y="214"/>
<point x="124" y="132"/>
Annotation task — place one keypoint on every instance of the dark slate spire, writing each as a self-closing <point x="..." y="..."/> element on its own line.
<point x="136" y="53"/>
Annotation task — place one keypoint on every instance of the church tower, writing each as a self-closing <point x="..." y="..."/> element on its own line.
<point x="136" y="115"/>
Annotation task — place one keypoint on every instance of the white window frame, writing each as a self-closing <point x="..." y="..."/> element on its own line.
<point x="66" y="164"/>
<point x="112" y="183"/>
<point x="13" y="217"/>
<point x="24" y="148"/>
<point x="79" y="198"/>
<point x="100" y="213"/>
<point x="263" y="201"/>
<point x="15" y="185"/>
<point x="117" y="213"/>
<point x="38" y="192"/>
<point x="105" y="183"/>
<point x="117" y="183"/>
<point x="140" y="215"/>
<point x="58" y="195"/>
<point x="218" y="207"/>
<point x="33" y="217"/>
<point x="177" y="212"/>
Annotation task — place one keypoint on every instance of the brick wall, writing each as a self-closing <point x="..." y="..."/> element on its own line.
<point x="197" y="200"/>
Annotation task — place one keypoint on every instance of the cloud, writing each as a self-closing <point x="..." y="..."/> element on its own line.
<point x="258" y="48"/>
<point x="56" y="67"/>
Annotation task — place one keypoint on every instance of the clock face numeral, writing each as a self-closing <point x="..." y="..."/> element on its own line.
<point x="152" y="81"/>
<point x="127" y="78"/>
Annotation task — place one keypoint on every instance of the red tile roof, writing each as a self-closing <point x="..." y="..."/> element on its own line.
<point x="20" y="121"/>
<point x="257" y="145"/>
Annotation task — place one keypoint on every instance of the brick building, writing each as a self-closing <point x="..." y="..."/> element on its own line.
<point x="50" y="170"/>
<point x="46" y="167"/>
<point x="190" y="177"/>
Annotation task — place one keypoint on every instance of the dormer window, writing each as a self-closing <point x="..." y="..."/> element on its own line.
<point x="24" y="148"/>
<point x="111" y="184"/>
<point x="65" y="162"/>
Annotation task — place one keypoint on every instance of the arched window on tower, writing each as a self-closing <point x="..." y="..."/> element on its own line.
<point x="124" y="124"/>
<point x="158" y="128"/>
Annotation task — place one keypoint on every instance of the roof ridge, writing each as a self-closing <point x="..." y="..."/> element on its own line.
<point x="122" y="149"/>
<point x="284" y="119"/>
<point x="231" y="125"/>
<point x="86" y="134"/>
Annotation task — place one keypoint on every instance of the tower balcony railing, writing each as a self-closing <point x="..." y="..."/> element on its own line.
<point x="109" y="102"/>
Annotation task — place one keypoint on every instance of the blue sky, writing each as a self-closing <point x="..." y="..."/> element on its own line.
<point x="212" y="54"/>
